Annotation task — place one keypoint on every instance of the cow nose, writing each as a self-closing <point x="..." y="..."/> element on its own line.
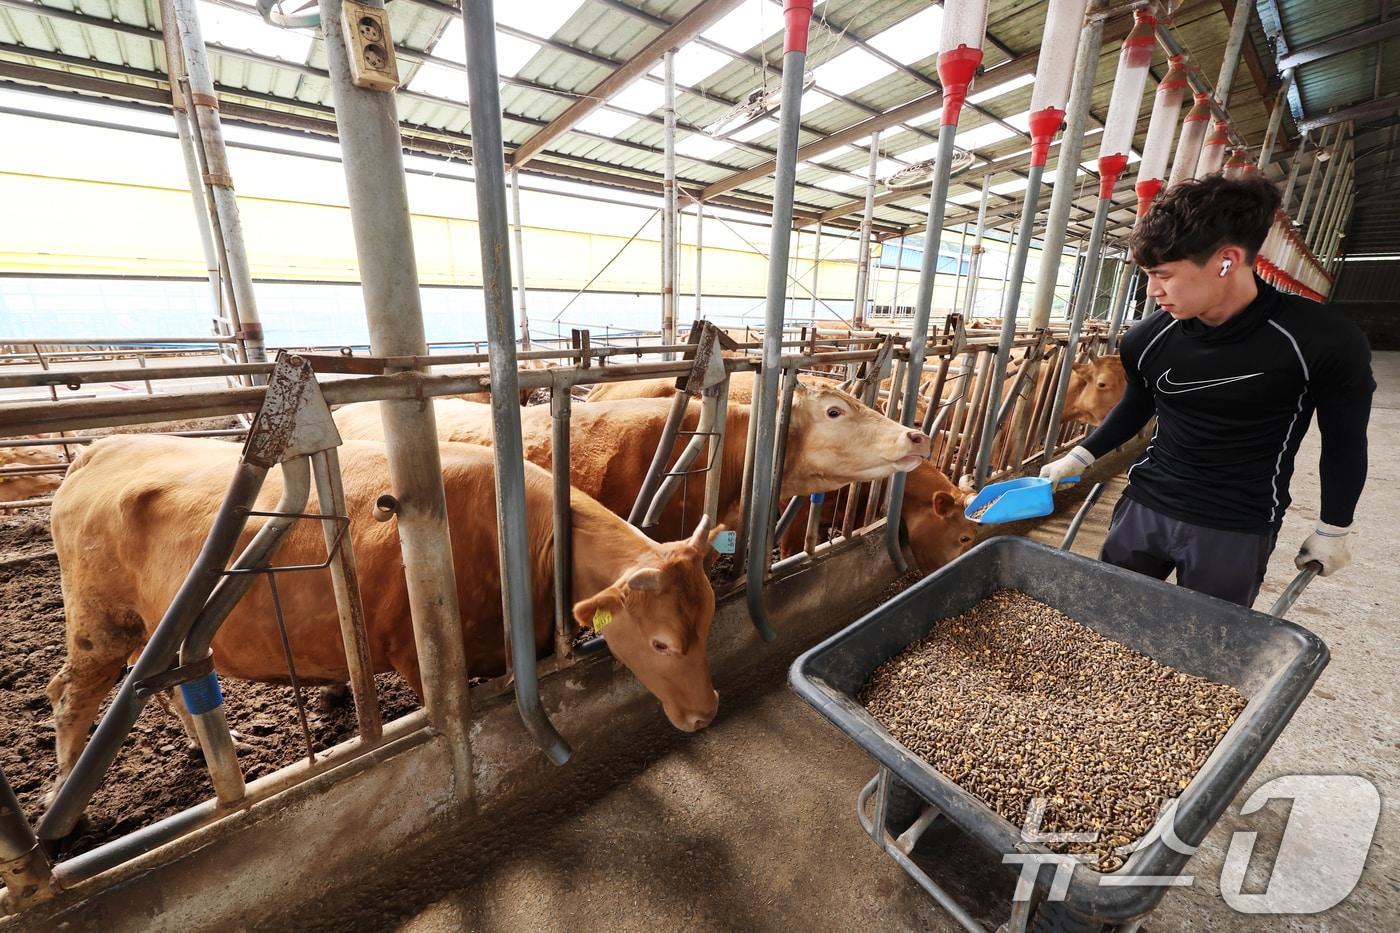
<point x="698" y="721"/>
<point x="918" y="438"/>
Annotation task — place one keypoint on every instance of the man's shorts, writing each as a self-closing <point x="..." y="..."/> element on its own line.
<point x="1226" y="564"/>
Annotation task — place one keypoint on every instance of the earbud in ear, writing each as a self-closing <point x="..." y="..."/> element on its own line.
<point x="1225" y="265"/>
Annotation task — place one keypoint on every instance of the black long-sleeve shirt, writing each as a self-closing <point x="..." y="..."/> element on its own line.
<point x="1233" y="403"/>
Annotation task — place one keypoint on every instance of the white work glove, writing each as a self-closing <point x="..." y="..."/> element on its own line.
<point x="1071" y="464"/>
<point x="1328" y="546"/>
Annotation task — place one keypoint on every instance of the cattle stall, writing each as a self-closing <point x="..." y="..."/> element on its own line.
<point x="402" y="723"/>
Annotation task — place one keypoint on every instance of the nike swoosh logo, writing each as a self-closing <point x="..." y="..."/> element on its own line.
<point x="1164" y="381"/>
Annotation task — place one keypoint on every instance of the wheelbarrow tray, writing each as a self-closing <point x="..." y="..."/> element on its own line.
<point x="1272" y="662"/>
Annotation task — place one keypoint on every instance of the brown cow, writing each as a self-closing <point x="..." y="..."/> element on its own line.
<point x="16" y="487"/>
<point x="935" y="527"/>
<point x="136" y="508"/>
<point x="833" y="439"/>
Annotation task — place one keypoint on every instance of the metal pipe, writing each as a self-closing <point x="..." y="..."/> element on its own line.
<point x="1332" y="201"/>
<point x="1121" y="296"/>
<point x="657" y="468"/>
<point x="1314" y="175"/>
<point x="974" y="266"/>
<point x="24" y="868"/>
<point x="898" y="265"/>
<point x="220" y="182"/>
<point x="1266" y="151"/>
<point x="345" y="581"/>
<point x="1081" y="308"/>
<point x="669" y="204"/>
<point x="675" y="477"/>
<point x="483" y="93"/>
<point x="714" y="470"/>
<point x="1293" y="172"/>
<point x="964" y="29"/>
<point x="156" y="657"/>
<point x="1234" y="45"/>
<point x="1324" y="191"/>
<point x="202" y="698"/>
<point x="699" y="253"/>
<point x="372" y="158"/>
<point x="797" y="14"/>
<point x="518" y="237"/>
<point x="560" y="412"/>
<point x="863" y="250"/>
<point x="175" y="72"/>
<point x="1016" y="275"/>
<point x="1086" y="63"/>
<point x="816" y="268"/>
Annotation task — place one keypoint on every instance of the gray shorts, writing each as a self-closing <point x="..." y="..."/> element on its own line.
<point x="1229" y="565"/>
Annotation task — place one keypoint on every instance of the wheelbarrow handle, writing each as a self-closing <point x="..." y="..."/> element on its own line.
<point x="1294" y="589"/>
<point x="1089" y="500"/>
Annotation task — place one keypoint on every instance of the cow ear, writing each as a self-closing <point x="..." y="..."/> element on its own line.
<point x="1082" y="369"/>
<point x="596" y="610"/>
<point x="946" y="504"/>
<point x="647" y="578"/>
<point x="701" y="536"/>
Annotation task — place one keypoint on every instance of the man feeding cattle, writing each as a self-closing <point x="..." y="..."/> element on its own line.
<point x="1233" y="370"/>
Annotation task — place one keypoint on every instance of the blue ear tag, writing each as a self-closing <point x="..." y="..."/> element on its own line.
<point x="726" y="542"/>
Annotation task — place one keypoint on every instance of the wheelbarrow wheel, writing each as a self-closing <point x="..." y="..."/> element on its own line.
<point x="1056" y="917"/>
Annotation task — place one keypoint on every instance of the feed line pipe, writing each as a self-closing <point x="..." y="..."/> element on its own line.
<point x="1156" y="151"/>
<point x="1193" y="133"/>
<point x="1134" y="59"/>
<point x="959" y="55"/>
<point x="1266" y="151"/>
<point x="484" y="99"/>
<point x="863" y="250"/>
<point x="160" y="652"/>
<point x="1292" y="181"/>
<point x="1053" y="75"/>
<point x="1086" y="62"/>
<point x="1322" y="154"/>
<point x="216" y="175"/>
<point x="1213" y="150"/>
<point x="175" y="71"/>
<point x="1122" y="295"/>
<point x="372" y="158"/>
<point x="797" y="15"/>
<point x="974" y="265"/>
<point x="669" y="203"/>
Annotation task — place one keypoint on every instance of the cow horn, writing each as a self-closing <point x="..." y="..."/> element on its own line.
<point x="647" y="578"/>
<point x="701" y="536"/>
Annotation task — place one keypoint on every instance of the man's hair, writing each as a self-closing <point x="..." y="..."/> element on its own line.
<point x="1195" y="218"/>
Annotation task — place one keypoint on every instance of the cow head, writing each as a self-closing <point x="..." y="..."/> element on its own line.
<point x="835" y="439"/>
<point x="935" y="527"/>
<point x="656" y="620"/>
<point x="1094" y="388"/>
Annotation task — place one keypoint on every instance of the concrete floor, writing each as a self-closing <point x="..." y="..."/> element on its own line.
<point x="749" y="825"/>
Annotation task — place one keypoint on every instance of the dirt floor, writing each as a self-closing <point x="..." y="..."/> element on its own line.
<point x="750" y="824"/>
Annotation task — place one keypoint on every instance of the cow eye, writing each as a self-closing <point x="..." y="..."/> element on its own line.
<point x="834" y="412"/>
<point x="965" y="539"/>
<point x="660" y="645"/>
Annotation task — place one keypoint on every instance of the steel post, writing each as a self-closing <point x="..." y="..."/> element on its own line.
<point x="484" y="99"/>
<point x="1121" y="296"/>
<point x="669" y="204"/>
<point x="816" y="268"/>
<point x="560" y="412"/>
<point x="974" y="265"/>
<point x="1327" y="207"/>
<point x="1315" y="172"/>
<point x="1292" y="181"/>
<point x="220" y="182"/>
<point x="863" y="250"/>
<point x="372" y="157"/>
<point x="518" y="239"/>
<point x="1234" y="45"/>
<point x="797" y="14"/>
<point x="24" y="868"/>
<point x="1052" y="251"/>
<point x="898" y="265"/>
<point x="1085" y="298"/>
<point x="1266" y="152"/>
<point x="1324" y="191"/>
<point x="699" y="254"/>
<point x="1016" y="275"/>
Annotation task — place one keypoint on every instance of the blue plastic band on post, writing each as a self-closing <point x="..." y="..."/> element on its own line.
<point x="203" y="695"/>
<point x="818" y="498"/>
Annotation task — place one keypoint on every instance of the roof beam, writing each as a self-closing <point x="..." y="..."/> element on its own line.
<point x="1017" y="67"/>
<point x="1370" y="110"/>
<point x="1341" y="42"/>
<point x="705" y="15"/>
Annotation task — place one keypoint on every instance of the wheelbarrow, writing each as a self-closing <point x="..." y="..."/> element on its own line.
<point x="1271" y="661"/>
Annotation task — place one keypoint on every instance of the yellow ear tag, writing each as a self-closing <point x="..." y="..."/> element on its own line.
<point x="601" y="618"/>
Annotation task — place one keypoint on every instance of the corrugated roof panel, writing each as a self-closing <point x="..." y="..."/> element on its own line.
<point x="1338" y="81"/>
<point x="1306" y="22"/>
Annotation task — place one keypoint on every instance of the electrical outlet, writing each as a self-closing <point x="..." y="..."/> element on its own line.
<point x="367" y="39"/>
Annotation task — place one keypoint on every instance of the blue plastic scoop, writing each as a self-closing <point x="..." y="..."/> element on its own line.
<point x="1015" y="499"/>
